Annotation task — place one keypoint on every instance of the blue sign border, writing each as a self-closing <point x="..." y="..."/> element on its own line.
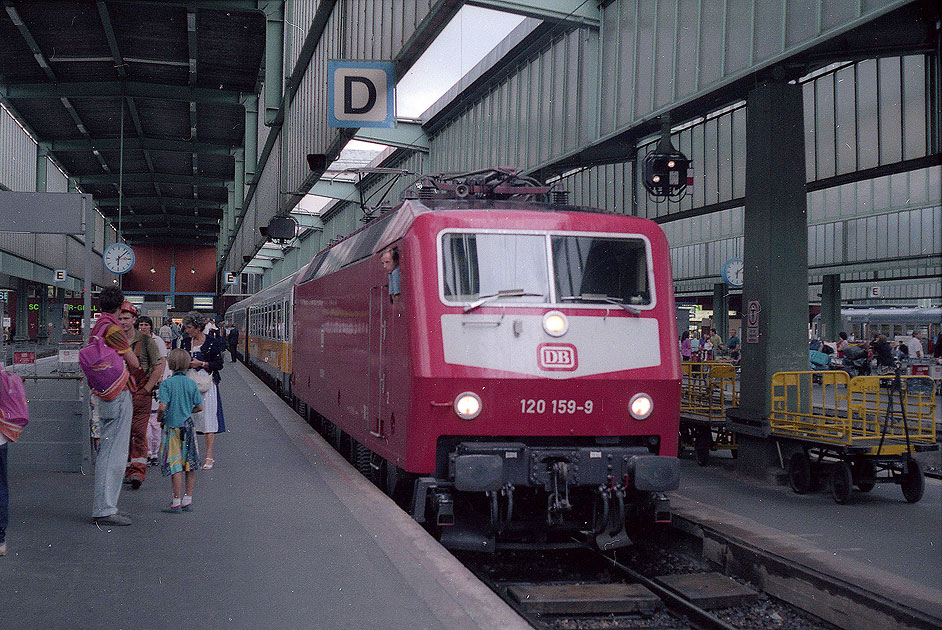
<point x="388" y="67"/>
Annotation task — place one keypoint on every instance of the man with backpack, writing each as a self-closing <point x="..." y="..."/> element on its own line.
<point x="106" y="361"/>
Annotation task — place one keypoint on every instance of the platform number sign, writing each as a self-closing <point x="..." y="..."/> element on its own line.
<point x="230" y="279"/>
<point x="361" y="93"/>
<point x="875" y="292"/>
<point x="60" y="275"/>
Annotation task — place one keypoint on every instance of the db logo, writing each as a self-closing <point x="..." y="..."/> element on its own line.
<point x="557" y="357"/>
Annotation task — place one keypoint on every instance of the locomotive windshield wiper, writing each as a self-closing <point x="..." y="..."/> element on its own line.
<point x="601" y="297"/>
<point x="484" y="299"/>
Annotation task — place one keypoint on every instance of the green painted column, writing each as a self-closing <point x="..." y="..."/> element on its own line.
<point x="721" y="310"/>
<point x="831" y="307"/>
<point x="42" y="164"/>
<point x="775" y="292"/>
<point x="274" y="57"/>
<point x="251" y="137"/>
<point x="42" y="331"/>
<point x="22" y="311"/>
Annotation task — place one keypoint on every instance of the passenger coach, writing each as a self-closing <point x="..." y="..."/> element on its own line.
<point x="525" y="383"/>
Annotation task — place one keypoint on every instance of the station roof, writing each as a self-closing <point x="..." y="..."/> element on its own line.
<point x="174" y="72"/>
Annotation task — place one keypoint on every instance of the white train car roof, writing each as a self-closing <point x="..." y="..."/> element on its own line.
<point x="276" y="292"/>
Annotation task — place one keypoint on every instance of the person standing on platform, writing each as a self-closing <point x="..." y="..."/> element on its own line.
<point x="685" y="346"/>
<point x="233" y="338"/>
<point x="733" y="346"/>
<point x="166" y="334"/>
<point x="915" y="345"/>
<point x="153" y="427"/>
<point x="206" y="354"/>
<point x="145" y="381"/>
<point x="115" y="417"/>
<point x="14" y="416"/>
<point x="177" y="334"/>
<point x="179" y="451"/>
<point x="717" y="342"/>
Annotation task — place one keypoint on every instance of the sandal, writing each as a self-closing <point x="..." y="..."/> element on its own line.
<point x="209" y="463"/>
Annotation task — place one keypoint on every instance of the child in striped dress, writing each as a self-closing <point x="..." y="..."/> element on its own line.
<point x="179" y="454"/>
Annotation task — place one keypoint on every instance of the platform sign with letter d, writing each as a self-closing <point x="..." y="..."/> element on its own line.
<point x="361" y="93"/>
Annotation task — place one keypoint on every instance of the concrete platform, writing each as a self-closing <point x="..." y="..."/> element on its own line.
<point x="876" y="547"/>
<point x="284" y="534"/>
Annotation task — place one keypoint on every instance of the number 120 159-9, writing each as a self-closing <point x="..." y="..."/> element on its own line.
<point x="531" y="405"/>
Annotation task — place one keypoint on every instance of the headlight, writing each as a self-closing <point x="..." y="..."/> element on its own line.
<point x="640" y="406"/>
<point x="468" y="405"/>
<point x="555" y="324"/>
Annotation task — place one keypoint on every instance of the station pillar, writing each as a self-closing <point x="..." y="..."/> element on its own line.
<point x="22" y="311"/>
<point x="775" y="292"/>
<point x="42" y="327"/>
<point x="831" y="307"/>
<point x="721" y="310"/>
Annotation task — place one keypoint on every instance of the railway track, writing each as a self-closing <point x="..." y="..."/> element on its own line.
<point x="584" y="589"/>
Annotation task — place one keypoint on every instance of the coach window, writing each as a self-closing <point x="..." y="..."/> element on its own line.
<point x="596" y="266"/>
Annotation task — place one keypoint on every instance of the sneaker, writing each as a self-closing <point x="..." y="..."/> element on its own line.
<point x="3" y="548"/>
<point x="114" y="519"/>
<point x="172" y="509"/>
<point x="136" y="483"/>
<point x="151" y="461"/>
<point x="187" y="508"/>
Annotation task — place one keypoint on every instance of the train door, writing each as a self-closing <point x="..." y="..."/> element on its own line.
<point x="375" y="379"/>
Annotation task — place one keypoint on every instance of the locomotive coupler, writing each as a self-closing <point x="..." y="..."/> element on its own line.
<point x="601" y="520"/>
<point x="444" y="507"/>
<point x="558" y="501"/>
<point x="662" y="508"/>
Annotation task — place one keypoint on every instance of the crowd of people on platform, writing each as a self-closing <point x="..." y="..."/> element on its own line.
<point x="170" y="396"/>
<point x="697" y="347"/>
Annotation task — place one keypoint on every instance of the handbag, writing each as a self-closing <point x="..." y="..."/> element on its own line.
<point x="202" y="378"/>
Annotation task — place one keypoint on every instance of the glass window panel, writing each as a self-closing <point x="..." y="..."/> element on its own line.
<point x="929" y="236"/>
<point x="935" y="183"/>
<point x="738" y="35"/>
<point x="880" y="187"/>
<point x="664" y="62"/>
<point x="917" y="186"/>
<point x="768" y="24"/>
<point x="891" y="149"/>
<point x="833" y="202"/>
<point x="868" y="154"/>
<point x="914" y="107"/>
<point x="892" y="235"/>
<point x="724" y="157"/>
<point x="645" y="51"/>
<point x="824" y="125"/>
<point x="709" y="166"/>
<point x="476" y="265"/>
<point x="899" y="190"/>
<point x="845" y="84"/>
<point x="739" y="152"/>
<point x="807" y="91"/>
<point x="906" y="238"/>
<point x="699" y="171"/>
<point x="688" y="25"/>
<point x="815" y="205"/>
<point x="712" y="37"/>
<point x="800" y="20"/>
<point x="602" y="266"/>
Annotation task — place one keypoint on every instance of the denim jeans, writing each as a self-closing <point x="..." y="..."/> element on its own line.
<point x="4" y="492"/>
<point x="113" y="452"/>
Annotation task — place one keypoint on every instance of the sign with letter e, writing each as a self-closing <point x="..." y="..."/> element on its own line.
<point x="60" y="275"/>
<point x="230" y="278"/>
<point x="361" y="93"/>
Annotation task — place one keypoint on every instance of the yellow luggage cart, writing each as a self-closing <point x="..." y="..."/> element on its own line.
<point x="855" y="431"/>
<point x="707" y="390"/>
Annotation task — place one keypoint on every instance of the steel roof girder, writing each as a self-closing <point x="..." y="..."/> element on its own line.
<point x="344" y="191"/>
<point x="148" y="178"/>
<point x="405" y="135"/>
<point x="113" y="89"/>
<point x="261" y="264"/>
<point x="309" y="221"/>
<point x="574" y="12"/>
<point x="153" y="202"/>
<point x="142" y="144"/>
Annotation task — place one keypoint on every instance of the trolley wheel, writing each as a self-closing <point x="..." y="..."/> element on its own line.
<point x="865" y="475"/>
<point x="841" y="482"/>
<point x="799" y="472"/>
<point x="913" y="482"/>
<point x="701" y="446"/>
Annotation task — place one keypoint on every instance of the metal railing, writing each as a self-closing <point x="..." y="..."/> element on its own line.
<point x="708" y="388"/>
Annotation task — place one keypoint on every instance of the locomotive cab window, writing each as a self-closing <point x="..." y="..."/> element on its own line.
<point x="480" y="265"/>
<point x="615" y="268"/>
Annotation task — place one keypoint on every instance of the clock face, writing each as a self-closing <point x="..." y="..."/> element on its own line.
<point x="733" y="272"/>
<point x="118" y="258"/>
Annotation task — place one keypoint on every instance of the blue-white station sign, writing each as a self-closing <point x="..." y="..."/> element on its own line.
<point x="361" y="93"/>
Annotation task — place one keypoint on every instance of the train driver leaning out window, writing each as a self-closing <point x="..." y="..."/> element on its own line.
<point x="390" y="262"/>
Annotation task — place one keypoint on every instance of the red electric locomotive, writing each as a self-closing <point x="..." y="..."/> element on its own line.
<point x="522" y="379"/>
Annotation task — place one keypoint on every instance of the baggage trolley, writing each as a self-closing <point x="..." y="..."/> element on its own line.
<point x="863" y="431"/>
<point x="707" y="389"/>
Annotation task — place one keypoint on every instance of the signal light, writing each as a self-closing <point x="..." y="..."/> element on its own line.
<point x="665" y="175"/>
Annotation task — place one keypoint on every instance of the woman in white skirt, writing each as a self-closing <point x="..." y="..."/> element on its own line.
<point x="206" y="359"/>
